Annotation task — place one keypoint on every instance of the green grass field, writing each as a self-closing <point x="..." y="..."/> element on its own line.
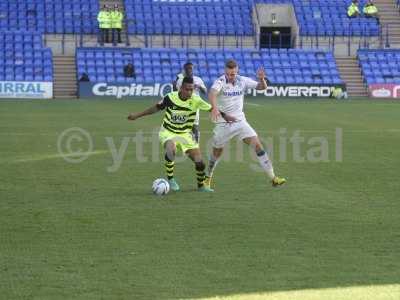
<point x="93" y="230"/>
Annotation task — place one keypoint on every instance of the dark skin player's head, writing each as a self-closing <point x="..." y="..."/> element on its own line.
<point x="188" y="68"/>
<point x="186" y="89"/>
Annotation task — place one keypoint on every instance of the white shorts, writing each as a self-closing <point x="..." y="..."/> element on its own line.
<point x="224" y="132"/>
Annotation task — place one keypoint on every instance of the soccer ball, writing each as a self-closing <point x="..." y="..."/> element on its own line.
<point x="160" y="187"/>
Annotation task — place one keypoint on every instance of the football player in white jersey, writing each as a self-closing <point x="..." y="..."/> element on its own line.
<point x="199" y="86"/>
<point x="226" y="96"/>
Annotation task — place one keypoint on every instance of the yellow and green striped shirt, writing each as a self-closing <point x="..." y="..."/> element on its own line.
<point x="181" y="114"/>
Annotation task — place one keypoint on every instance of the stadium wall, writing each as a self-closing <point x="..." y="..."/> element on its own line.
<point x="284" y="16"/>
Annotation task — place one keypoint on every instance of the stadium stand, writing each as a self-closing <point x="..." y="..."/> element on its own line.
<point x="209" y="17"/>
<point x="23" y="57"/>
<point x="50" y="16"/>
<point x="329" y="18"/>
<point x="200" y="18"/>
<point x="316" y="17"/>
<point x="293" y="66"/>
<point x="380" y="66"/>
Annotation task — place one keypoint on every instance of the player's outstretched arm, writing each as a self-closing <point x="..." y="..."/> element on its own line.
<point x="203" y="89"/>
<point x="212" y="96"/>
<point x="262" y="84"/>
<point x="149" y="111"/>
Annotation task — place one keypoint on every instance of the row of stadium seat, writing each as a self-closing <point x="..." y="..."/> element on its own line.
<point x="26" y="74"/>
<point x="23" y="57"/>
<point x="198" y="2"/>
<point x="58" y="27"/>
<point x="20" y="36"/>
<point x="312" y="3"/>
<point x="380" y="66"/>
<point x="26" y="57"/>
<point x="374" y="56"/>
<point x="162" y="65"/>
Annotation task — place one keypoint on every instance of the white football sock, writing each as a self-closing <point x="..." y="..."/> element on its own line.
<point x="266" y="164"/>
<point x="212" y="163"/>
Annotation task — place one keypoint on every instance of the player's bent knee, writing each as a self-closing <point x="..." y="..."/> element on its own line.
<point x="170" y="153"/>
<point x="258" y="148"/>
<point x="170" y="147"/>
<point x="217" y="152"/>
<point x="255" y="143"/>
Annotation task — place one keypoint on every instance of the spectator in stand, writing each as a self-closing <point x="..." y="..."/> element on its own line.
<point x="117" y="18"/>
<point x="353" y="11"/>
<point x="84" y="77"/>
<point x="370" y="10"/>
<point x="31" y="12"/>
<point x="104" y="20"/>
<point x="129" y="71"/>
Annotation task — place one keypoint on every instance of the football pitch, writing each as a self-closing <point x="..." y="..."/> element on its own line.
<point x="78" y="219"/>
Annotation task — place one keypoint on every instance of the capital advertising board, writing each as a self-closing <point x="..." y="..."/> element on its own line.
<point x="123" y="91"/>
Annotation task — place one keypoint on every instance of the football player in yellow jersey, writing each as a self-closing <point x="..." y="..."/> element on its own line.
<point x="176" y="129"/>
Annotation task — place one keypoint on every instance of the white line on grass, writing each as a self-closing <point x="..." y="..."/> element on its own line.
<point x="370" y="292"/>
<point x="253" y="104"/>
<point x="50" y="156"/>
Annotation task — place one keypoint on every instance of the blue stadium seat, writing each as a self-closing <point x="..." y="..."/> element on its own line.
<point x="295" y="66"/>
<point x="380" y="66"/>
<point x="22" y="54"/>
<point x="207" y="18"/>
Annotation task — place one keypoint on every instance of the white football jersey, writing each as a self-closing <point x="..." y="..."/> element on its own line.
<point x="230" y="96"/>
<point x="198" y="82"/>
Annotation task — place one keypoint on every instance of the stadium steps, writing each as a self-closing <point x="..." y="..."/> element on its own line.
<point x="64" y="76"/>
<point x="351" y="74"/>
<point x="389" y="14"/>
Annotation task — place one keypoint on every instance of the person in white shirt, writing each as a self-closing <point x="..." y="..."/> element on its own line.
<point x="226" y="97"/>
<point x="199" y="86"/>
